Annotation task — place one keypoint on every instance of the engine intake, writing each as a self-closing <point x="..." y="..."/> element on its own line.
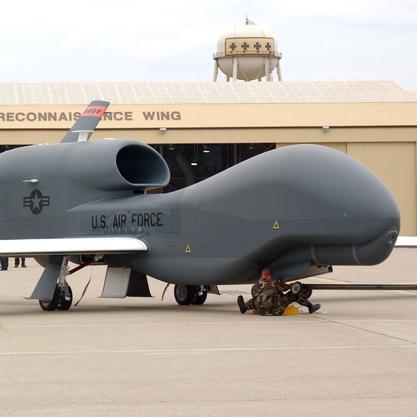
<point x="141" y="165"/>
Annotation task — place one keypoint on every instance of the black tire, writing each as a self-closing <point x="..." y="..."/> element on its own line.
<point x="200" y="299"/>
<point x="50" y="305"/>
<point x="184" y="294"/>
<point x="65" y="300"/>
<point x="62" y="300"/>
<point x="296" y="287"/>
<point x="306" y="292"/>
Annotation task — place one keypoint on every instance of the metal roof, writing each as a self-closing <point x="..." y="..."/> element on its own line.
<point x="205" y="92"/>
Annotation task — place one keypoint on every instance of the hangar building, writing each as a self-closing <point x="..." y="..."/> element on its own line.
<point x="204" y="127"/>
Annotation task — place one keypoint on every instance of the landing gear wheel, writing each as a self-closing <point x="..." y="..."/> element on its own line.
<point x="190" y="294"/>
<point x="305" y="292"/>
<point x="62" y="300"/>
<point x="50" y="305"/>
<point x="185" y="294"/>
<point x="200" y="299"/>
<point x="296" y="287"/>
<point x="65" y="300"/>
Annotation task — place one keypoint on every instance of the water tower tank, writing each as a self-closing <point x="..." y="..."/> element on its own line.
<point x="247" y="52"/>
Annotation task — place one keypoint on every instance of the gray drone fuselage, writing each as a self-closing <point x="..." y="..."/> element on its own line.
<point x="293" y="209"/>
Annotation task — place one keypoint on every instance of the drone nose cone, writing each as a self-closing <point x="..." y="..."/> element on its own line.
<point x="365" y="238"/>
<point x="353" y="216"/>
<point x="375" y="206"/>
<point x="372" y="216"/>
<point x="378" y="249"/>
<point x="333" y="185"/>
<point x="383" y="213"/>
<point x="372" y="200"/>
<point x="375" y="210"/>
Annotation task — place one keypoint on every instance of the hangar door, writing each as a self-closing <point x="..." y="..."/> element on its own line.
<point x="395" y="165"/>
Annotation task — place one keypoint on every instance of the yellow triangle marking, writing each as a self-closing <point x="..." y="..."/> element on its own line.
<point x="276" y="225"/>
<point x="187" y="249"/>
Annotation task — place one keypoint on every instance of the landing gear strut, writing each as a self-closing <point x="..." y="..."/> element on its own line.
<point x="190" y="294"/>
<point x="62" y="298"/>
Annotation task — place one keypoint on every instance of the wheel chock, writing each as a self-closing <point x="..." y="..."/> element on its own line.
<point x="291" y="311"/>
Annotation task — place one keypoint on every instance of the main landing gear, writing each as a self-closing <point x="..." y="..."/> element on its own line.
<point x="54" y="281"/>
<point x="62" y="298"/>
<point x="190" y="294"/>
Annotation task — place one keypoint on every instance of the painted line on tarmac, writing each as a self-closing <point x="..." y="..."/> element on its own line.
<point x="206" y="350"/>
<point x="262" y="321"/>
<point x="348" y="324"/>
<point x="269" y="321"/>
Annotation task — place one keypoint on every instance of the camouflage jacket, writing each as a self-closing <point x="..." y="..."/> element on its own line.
<point x="269" y="298"/>
<point x="266" y="297"/>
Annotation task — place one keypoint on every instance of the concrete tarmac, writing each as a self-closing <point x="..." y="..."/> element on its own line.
<point x="147" y="357"/>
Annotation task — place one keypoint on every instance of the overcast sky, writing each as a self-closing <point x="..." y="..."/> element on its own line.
<point x="131" y="40"/>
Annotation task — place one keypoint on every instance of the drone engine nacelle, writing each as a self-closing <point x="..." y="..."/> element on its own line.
<point x="106" y="165"/>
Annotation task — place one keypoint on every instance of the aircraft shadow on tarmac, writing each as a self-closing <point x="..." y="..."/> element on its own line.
<point x="227" y="307"/>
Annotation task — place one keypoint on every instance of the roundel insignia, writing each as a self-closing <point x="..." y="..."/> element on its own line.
<point x="36" y="201"/>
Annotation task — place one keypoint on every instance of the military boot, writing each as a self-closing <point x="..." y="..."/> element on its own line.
<point x="313" y="307"/>
<point x="241" y="304"/>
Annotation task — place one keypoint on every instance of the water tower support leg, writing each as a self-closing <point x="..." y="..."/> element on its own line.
<point x="279" y="71"/>
<point x="267" y="72"/>
<point x="234" y="69"/>
<point x="215" y="71"/>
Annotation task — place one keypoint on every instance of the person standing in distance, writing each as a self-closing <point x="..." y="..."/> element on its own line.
<point x="17" y="261"/>
<point x="4" y="260"/>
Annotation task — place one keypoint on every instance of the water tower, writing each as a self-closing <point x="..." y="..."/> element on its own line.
<point x="247" y="53"/>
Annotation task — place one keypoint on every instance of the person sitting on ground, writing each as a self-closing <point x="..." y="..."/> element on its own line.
<point x="270" y="298"/>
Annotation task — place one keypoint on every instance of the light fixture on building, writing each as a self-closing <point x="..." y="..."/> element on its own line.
<point x="194" y="162"/>
<point x="171" y="147"/>
<point x="206" y="149"/>
<point x="325" y="128"/>
<point x="163" y="129"/>
<point x="251" y="147"/>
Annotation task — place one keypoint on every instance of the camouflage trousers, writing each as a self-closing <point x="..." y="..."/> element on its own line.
<point x="278" y="304"/>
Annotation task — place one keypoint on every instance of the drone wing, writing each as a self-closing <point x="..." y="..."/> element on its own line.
<point x="71" y="246"/>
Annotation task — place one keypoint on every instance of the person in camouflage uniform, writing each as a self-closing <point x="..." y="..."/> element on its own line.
<point x="265" y="295"/>
<point x="270" y="298"/>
